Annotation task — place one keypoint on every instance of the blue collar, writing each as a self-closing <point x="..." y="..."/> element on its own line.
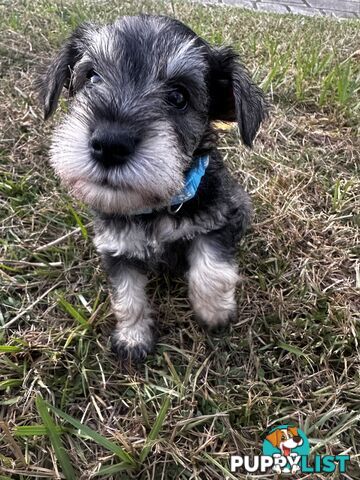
<point x="192" y="182"/>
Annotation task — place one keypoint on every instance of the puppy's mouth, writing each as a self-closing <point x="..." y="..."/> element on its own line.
<point x="105" y="197"/>
<point x="77" y="184"/>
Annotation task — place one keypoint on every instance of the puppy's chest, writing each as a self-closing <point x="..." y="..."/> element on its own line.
<point x="133" y="240"/>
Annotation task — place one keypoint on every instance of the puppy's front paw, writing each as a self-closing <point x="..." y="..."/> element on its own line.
<point x="277" y="469"/>
<point x="212" y="284"/>
<point x="295" y="469"/>
<point x="132" y="343"/>
<point x="214" y="309"/>
<point x="216" y="320"/>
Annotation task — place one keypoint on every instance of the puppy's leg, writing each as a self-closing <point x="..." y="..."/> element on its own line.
<point x="133" y="336"/>
<point x="213" y="276"/>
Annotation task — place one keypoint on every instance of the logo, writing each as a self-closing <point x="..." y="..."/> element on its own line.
<point x="286" y="450"/>
<point x="286" y="442"/>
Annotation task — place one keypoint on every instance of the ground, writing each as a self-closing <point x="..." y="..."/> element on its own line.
<point x="293" y="354"/>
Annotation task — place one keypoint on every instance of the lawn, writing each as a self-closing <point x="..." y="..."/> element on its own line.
<point x="67" y="408"/>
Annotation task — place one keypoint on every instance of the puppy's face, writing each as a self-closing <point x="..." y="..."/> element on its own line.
<point x="287" y="437"/>
<point x="144" y="91"/>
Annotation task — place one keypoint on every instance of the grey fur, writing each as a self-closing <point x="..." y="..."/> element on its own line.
<point x="153" y="83"/>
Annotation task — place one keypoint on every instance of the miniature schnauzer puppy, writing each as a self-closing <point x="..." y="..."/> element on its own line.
<point x="139" y="148"/>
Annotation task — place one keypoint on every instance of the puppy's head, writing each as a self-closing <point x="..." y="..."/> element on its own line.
<point x="285" y="437"/>
<point x="144" y="91"/>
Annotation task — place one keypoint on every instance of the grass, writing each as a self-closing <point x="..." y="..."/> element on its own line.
<point x="66" y="405"/>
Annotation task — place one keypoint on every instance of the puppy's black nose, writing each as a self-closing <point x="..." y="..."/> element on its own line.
<point x="297" y="439"/>
<point x="111" y="146"/>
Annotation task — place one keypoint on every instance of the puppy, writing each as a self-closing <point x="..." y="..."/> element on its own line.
<point x="138" y="147"/>
<point x="286" y="439"/>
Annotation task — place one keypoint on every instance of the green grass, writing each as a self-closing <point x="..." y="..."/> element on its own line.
<point x="293" y="355"/>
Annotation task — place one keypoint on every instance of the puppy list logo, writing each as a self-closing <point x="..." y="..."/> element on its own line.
<point x="286" y="449"/>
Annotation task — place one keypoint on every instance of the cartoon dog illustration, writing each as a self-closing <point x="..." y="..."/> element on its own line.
<point x="285" y="439"/>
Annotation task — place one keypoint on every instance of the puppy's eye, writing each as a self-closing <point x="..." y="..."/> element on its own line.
<point x="93" y="77"/>
<point x="178" y="97"/>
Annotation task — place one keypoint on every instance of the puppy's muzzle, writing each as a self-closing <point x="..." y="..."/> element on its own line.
<point x="111" y="146"/>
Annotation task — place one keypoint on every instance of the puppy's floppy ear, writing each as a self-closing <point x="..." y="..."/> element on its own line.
<point x="233" y="95"/>
<point x="293" y="431"/>
<point x="58" y="73"/>
<point x="274" y="438"/>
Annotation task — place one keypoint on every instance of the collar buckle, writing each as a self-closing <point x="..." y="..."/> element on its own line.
<point x="173" y="211"/>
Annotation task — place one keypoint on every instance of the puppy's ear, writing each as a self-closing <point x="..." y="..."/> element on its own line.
<point x="293" y="431"/>
<point x="274" y="438"/>
<point x="58" y="74"/>
<point x="233" y="95"/>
